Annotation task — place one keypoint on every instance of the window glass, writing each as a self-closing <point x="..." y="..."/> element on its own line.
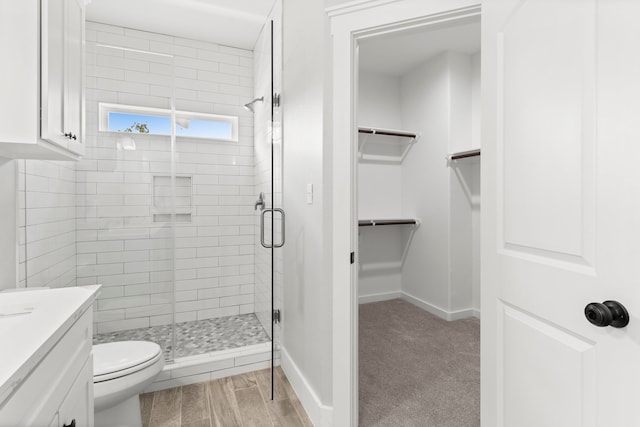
<point x="200" y="128"/>
<point x="156" y="121"/>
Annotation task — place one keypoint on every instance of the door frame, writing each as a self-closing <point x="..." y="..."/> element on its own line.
<point x="349" y="23"/>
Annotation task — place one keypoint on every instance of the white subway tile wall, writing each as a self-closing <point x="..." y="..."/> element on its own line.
<point x="119" y="244"/>
<point x="47" y="223"/>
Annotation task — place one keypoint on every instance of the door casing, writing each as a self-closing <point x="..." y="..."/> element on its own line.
<point x="350" y="23"/>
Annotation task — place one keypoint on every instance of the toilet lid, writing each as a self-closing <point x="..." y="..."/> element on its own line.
<point x="116" y="359"/>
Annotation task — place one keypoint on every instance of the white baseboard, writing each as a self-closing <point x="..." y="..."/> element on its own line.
<point x="321" y="415"/>
<point x="437" y="311"/>
<point x="433" y="309"/>
<point x="383" y="296"/>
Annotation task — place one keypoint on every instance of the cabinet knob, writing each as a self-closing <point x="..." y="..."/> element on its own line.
<point x="71" y="424"/>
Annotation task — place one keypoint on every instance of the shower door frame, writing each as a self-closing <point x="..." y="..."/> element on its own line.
<point x="274" y="238"/>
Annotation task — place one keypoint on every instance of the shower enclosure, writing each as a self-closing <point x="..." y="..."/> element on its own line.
<point x="162" y="211"/>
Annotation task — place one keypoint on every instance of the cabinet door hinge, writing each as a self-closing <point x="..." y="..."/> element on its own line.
<point x="352" y="257"/>
<point x="276" y="316"/>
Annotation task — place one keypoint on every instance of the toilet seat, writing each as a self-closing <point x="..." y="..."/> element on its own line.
<point x="118" y="359"/>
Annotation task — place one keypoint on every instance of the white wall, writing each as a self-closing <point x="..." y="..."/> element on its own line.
<point x="475" y="244"/>
<point x="379" y="101"/>
<point x="441" y="267"/>
<point x="460" y="184"/>
<point x="330" y="3"/>
<point x="307" y="329"/>
<point x="379" y="184"/>
<point x="425" y="95"/>
<point x="380" y="193"/>
<point x="476" y="109"/>
<point x="476" y="100"/>
<point x="8" y="262"/>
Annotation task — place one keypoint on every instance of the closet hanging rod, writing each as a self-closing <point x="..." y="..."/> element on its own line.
<point x="378" y="222"/>
<point x="464" y="154"/>
<point x="387" y="132"/>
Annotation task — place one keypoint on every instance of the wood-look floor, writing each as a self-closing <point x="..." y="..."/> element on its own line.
<point x="242" y="400"/>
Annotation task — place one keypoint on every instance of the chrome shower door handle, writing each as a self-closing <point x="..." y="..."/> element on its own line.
<point x="281" y="244"/>
<point x="262" y="242"/>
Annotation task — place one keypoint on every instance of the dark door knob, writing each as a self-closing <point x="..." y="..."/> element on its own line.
<point x="609" y="313"/>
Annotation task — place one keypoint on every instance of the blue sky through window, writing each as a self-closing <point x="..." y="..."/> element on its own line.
<point x="206" y="129"/>
<point x="161" y="125"/>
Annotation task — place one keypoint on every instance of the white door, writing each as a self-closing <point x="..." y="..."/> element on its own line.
<point x="561" y="211"/>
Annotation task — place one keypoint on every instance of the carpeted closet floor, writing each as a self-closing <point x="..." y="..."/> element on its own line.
<point x="417" y="369"/>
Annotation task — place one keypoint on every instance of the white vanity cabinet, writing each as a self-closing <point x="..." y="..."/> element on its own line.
<point x="48" y="380"/>
<point x="41" y="110"/>
<point x="60" y="389"/>
<point x="77" y="407"/>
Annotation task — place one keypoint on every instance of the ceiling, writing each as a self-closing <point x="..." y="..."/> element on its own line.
<point x="227" y="22"/>
<point x="397" y="54"/>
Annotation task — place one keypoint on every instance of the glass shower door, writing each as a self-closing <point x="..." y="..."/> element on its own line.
<point x="125" y="193"/>
<point x="270" y="216"/>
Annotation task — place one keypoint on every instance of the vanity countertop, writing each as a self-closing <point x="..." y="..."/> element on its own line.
<point x="31" y="323"/>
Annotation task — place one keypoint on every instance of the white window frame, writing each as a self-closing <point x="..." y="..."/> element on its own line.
<point x="105" y="108"/>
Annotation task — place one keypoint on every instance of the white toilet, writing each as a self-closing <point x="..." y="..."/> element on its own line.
<point x="121" y="371"/>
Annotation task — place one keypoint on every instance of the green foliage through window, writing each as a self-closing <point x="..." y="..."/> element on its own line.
<point x="136" y="128"/>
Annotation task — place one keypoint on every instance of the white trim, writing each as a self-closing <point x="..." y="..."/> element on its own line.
<point x="321" y="415"/>
<point x="356" y="6"/>
<point x="373" y="18"/>
<point x="382" y="296"/>
<point x="437" y="311"/>
<point x="433" y="309"/>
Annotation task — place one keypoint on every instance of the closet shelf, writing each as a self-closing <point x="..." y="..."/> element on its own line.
<point x="387" y="132"/>
<point x="464" y="154"/>
<point x="379" y="222"/>
<point x="378" y="145"/>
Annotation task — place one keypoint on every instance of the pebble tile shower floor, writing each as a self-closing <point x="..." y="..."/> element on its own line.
<point x="198" y="336"/>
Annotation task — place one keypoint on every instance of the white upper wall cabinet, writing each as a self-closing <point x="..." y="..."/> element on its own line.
<point x="41" y="110"/>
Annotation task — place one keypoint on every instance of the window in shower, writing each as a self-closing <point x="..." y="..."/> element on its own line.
<point x="157" y="121"/>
